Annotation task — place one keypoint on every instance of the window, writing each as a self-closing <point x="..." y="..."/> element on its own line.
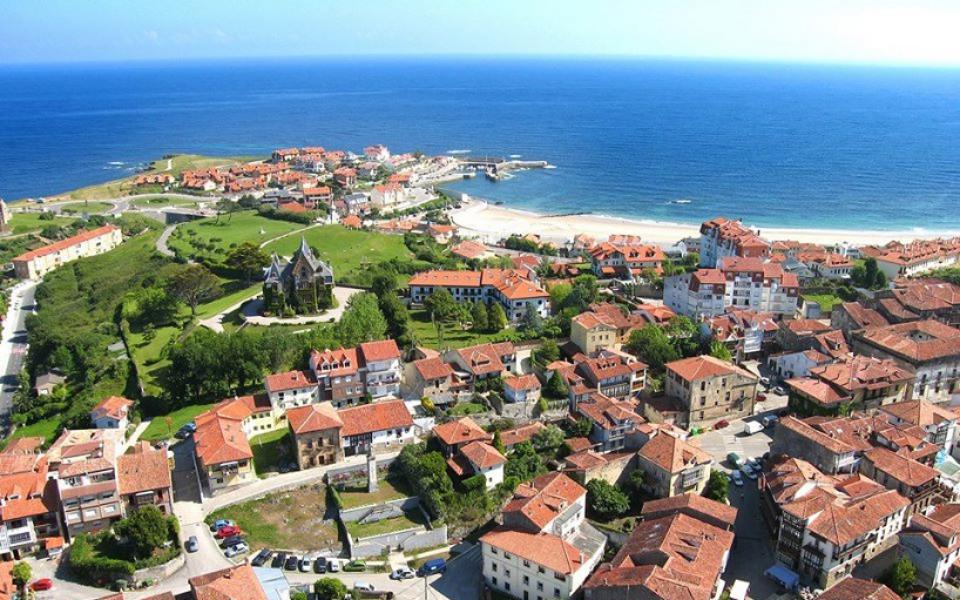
<point x="493" y="551"/>
<point x="539" y="586"/>
<point x="506" y="586"/>
<point x="494" y="567"/>
<point x="526" y="563"/>
<point x="526" y="580"/>
<point x="506" y="572"/>
<point x="494" y="580"/>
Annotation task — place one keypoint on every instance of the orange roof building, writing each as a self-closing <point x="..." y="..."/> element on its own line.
<point x="37" y="263"/>
<point x="511" y="288"/>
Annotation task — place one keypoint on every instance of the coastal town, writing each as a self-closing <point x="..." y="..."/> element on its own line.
<point x="320" y="374"/>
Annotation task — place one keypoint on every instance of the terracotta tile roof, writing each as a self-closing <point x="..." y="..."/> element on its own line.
<point x="64" y="244"/>
<point x="832" y="343"/>
<point x="852" y="588"/>
<point x="587" y="459"/>
<point x="606" y="367"/>
<point x="578" y="444"/>
<point x="377" y="351"/>
<point x="696" y="368"/>
<point x="461" y="431"/>
<point x="469" y="249"/>
<point x="482" y="455"/>
<point x="352" y="221"/>
<point x="523" y="433"/>
<point x="897" y="310"/>
<point x="228" y="584"/>
<point x="522" y="382"/>
<point x="815" y="436"/>
<point x="815" y="389"/>
<point x="673" y="455"/>
<point x="431" y="369"/>
<point x="143" y="470"/>
<point x="114" y="407"/>
<point x="220" y="439"/>
<point x="608" y="413"/>
<point x="915" y="342"/>
<point x="903" y="469"/>
<point x="695" y="502"/>
<point x="542" y="500"/>
<point x="379" y="416"/>
<point x="24" y="445"/>
<point x="862" y="372"/>
<point x="313" y="418"/>
<point x="446" y="279"/>
<point x="863" y="316"/>
<point x="841" y="522"/>
<point x="591" y="320"/>
<point x="335" y="363"/>
<point x="482" y="359"/>
<point x="7" y="587"/>
<point x="806" y="326"/>
<point x="545" y="549"/>
<point x="673" y="558"/>
<point x="708" y="277"/>
<point x="919" y="412"/>
<point x="291" y="380"/>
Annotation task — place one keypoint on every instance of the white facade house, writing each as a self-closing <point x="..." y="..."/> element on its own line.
<point x="37" y="263"/>
<point x="380" y="426"/>
<point x="381" y="368"/>
<point x="721" y="238"/>
<point x="932" y="543"/>
<point x="291" y="389"/>
<point x="740" y="283"/>
<point x="544" y="549"/>
<point x="788" y="365"/>
<point x="511" y="288"/>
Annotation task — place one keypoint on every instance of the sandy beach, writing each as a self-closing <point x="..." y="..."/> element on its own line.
<point x="489" y="222"/>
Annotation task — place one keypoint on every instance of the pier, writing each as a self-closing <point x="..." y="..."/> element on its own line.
<point x="497" y="168"/>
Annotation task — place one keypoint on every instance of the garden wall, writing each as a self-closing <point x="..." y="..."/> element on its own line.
<point x="355" y="514"/>
<point x="410" y="539"/>
<point x="160" y="572"/>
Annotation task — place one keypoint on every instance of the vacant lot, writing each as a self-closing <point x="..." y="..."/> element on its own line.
<point x="157" y="430"/>
<point x="409" y="520"/>
<point x="163" y="201"/>
<point x="270" y="449"/>
<point x="389" y="489"/>
<point x="93" y="208"/>
<point x="285" y="521"/>
<point x="27" y="222"/>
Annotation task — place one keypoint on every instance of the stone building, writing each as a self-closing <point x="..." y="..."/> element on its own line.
<point x="304" y="285"/>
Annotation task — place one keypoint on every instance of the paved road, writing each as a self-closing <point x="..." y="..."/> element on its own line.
<point x="13" y="346"/>
<point x="162" y="247"/>
<point x="753" y="549"/>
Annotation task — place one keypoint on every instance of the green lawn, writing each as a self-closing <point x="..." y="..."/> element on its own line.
<point x="234" y="292"/>
<point x="47" y="429"/>
<point x="91" y="207"/>
<point x="27" y="222"/>
<point x="345" y="249"/>
<point x="207" y="237"/>
<point x="162" y="201"/>
<point x="269" y="449"/>
<point x="157" y="430"/>
<point x="826" y="301"/>
<point x="185" y="162"/>
<point x="292" y="520"/>
<point x="147" y="354"/>
<point x="388" y="489"/>
<point x="410" y="519"/>
<point x="453" y="336"/>
<point x="467" y="408"/>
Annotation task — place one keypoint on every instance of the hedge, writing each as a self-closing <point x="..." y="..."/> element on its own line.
<point x="335" y="497"/>
<point x="91" y="568"/>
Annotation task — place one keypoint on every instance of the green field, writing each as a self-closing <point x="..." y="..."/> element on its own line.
<point x="292" y="520"/>
<point x="409" y="520"/>
<point x="91" y="207"/>
<point x="826" y="301"/>
<point x="27" y="222"/>
<point x="345" y="249"/>
<point x="186" y="162"/>
<point x="387" y="489"/>
<point x="47" y="429"/>
<point x="162" y="201"/>
<point x="453" y="336"/>
<point x="216" y="238"/>
<point x="157" y="429"/>
<point x="234" y="292"/>
<point x="269" y="449"/>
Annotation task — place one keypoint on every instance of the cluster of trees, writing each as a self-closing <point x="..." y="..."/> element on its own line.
<point x="657" y="345"/>
<point x="605" y="500"/>
<point x="394" y="310"/>
<point x="516" y="242"/>
<point x="444" y="311"/>
<point x="718" y="486"/>
<point x="426" y="471"/>
<point x="570" y="299"/>
<point x="868" y="275"/>
<point x="950" y="274"/>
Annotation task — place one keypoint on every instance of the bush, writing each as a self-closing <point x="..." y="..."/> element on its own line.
<point x="330" y="588"/>
<point x="89" y="567"/>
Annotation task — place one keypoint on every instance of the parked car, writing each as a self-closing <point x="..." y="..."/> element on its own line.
<point x="306" y="562"/>
<point x="402" y="573"/>
<point x="761" y="397"/>
<point x="434" y="565"/>
<point x="770" y="420"/>
<point x="222" y="523"/>
<point x="737" y="478"/>
<point x="752" y="427"/>
<point x="291" y="564"/>
<point x="751" y="473"/>
<point x="279" y="559"/>
<point x="228" y="531"/>
<point x="333" y="565"/>
<point x="734" y="459"/>
<point x="235" y="550"/>
<point x="261" y="558"/>
<point x="355" y="566"/>
<point x="765" y="381"/>
<point x="320" y="565"/>
<point x="721" y="424"/>
<point x="365" y="586"/>
<point x="41" y="585"/>
<point x="232" y="541"/>
<point x="779" y="389"/>
<point x="192" y="545"/>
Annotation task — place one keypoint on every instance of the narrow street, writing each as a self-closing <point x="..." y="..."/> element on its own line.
<point x="13" y="345"/>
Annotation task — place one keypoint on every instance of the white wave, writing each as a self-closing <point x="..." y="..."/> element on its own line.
<point x="459" y="151"/>
<point x="516" y="156"/>
<point x="116" y="162"/>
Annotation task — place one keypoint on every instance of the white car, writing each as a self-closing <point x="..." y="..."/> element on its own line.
<point x="737" y="478"/>
<point x="236" y="550"/>
<point x="402" y="573"/>
<point x="363" y="585"/>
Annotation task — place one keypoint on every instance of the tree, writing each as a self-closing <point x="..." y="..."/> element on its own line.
<point x="442" y="308"/>
<point x="556" y="387"/>
<point x="524" y="463"/>
<point x="718" y="486"/>
<point x="146" y="529"/>
<point x="497" y="318"/>
<point x="880" y="280"/>
<point x="362" y="321"/>
<point x="225" y="207"/>
<point x="248" y="259"/>
<point x="22" y="573"/>
<point x="155" y="306"/>
<point x="531" y="321"/>
<point x="606" y="500"/>
<point x="870" y="272"/>
<point x="194" y="284"/>
<point x="550" y="438"/>
<point x="478" y="316"/>
<point x="902" y="576"/>
<point x="330" y="588"/>
<point x="298" y="596"/>
<point x="546" y="353"/>
<point x="719" y="350"/>
<point x="383" y="285"/>
<point x="653" y="346"/>
<point x="498" y="443"/>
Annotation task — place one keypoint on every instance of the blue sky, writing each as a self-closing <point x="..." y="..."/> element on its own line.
<point x="849" y="31"/>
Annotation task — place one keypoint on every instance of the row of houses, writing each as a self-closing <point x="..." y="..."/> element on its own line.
<point x="37" y="263"/>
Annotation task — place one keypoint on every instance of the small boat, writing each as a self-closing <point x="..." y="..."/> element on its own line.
<point x="682" y="202"/>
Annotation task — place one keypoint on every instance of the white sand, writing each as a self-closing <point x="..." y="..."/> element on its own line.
<point x="489" y="222"/>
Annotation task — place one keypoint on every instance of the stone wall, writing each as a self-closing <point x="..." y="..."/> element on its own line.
<point x="411" y="539"/>
<point x="160" y="572"/>
<point x="355" y="514"/>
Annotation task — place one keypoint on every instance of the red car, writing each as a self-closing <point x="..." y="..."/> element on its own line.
<point x="721" y="424"/>
<point x="41" y="585"/>
<point x="761" y="397"/>
<point x="228" y="531"/>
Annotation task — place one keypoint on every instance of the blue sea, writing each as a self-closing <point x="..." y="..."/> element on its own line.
<point x="774" y="144"/>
